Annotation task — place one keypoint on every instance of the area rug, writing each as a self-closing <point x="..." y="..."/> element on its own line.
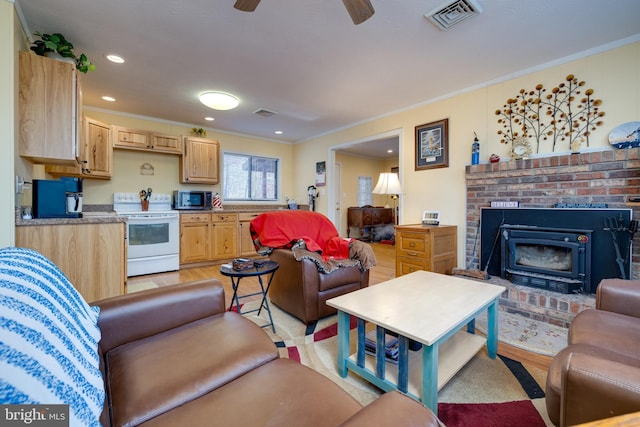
<point x="142" y="286"/>
<point x="485" y="393"/>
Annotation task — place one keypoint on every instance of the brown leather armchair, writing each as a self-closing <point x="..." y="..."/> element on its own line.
<point x="598" y="375"/>
<point x="300" y="241"/>
<point x="301" y="290"/>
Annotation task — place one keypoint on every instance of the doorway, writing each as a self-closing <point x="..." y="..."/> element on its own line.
<point x="384" y="148"/>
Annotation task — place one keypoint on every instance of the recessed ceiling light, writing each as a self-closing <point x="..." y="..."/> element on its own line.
<point x="278" y="132"/>
<point x="389" y="151"/>
<point x="219" y="100"/>
<point x="115" y="58"/>
<point x="210" y="119"/>
<point x="108" y="98"/>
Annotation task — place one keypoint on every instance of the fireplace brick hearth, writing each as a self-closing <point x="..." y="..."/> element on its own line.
<point x="600" y="177"/>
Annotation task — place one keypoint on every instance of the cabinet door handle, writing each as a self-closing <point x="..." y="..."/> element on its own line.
<point x="412" y="253"/>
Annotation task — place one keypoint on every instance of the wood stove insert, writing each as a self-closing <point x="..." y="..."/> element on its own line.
<point x="557" y="259"/>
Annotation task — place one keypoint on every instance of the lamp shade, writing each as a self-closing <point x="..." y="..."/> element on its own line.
<point x="388" y="183"/>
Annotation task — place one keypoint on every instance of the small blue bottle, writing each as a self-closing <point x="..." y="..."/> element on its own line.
<point x="475" y="151"/>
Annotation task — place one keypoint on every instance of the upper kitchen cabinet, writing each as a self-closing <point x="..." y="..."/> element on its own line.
<point x="96" y="153"/>
<point x="49" y="105"/>
<point x="134" y="139"/>
<point x="200" y="161"/>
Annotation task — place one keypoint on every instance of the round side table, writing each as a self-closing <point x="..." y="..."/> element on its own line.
<point x="261" y="268"/>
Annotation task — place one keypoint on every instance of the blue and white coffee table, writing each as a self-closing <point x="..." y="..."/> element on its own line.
<point x="435" y="310"/>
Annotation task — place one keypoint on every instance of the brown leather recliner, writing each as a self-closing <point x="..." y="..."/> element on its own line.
<point x="302" y="243"/>
<point x="301" y="290"/>
<point x="598" y="375"/>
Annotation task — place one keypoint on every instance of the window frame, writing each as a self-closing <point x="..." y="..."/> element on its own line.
<point x="251" y="158"/>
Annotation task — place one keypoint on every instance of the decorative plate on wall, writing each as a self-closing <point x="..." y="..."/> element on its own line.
<point x="627" y="135"/>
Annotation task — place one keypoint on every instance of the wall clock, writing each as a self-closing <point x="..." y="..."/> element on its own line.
<point x="520" y="148"/>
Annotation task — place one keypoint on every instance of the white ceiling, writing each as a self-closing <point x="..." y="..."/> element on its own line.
<point x="306" y="60"/>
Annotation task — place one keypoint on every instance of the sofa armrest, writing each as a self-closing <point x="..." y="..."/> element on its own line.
<point x="594" y="388"/>
<point x="619" y="296"/>
<point x="393" y="409"/>
<point x="130" y="317"/>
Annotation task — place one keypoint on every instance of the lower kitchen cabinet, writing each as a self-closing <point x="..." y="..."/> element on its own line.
<point x="426" y="247"/>
<point x="245" y="242"/>
<point x="207" y="236"/>
<point x="224" y="235"/>
<point x="92" y="256"/>
<point x="194" y="237"/>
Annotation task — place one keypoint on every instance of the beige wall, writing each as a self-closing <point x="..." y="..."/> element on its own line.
<point x="126" y="163"/>
<point x="612" y="74"/>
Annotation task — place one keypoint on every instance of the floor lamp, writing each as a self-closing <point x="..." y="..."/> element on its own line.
<point x="388" y="183"/>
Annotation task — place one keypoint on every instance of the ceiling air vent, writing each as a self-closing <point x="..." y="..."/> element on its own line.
<point x="264" y="112"/>
<point x="446" y="16"/>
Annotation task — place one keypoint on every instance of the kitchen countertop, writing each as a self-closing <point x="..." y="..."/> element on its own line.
<point x="106" y="215"/>
<point x="88" y="218"/>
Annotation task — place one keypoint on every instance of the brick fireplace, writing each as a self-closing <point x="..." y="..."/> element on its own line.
<point x="594" y="178"/>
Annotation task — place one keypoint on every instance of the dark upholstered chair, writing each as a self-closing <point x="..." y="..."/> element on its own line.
<point x="598" y="375"/>
<point x="300" y="287"/>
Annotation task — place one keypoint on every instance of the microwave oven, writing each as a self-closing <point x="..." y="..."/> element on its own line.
<point x="183" y="199"/>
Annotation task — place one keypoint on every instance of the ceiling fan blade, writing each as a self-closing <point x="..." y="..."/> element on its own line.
<point x="246" y="5"/>
<point x="359" y="10"/>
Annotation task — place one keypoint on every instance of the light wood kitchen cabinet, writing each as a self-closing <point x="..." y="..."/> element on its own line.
<point x="166" y="143"/>
<point x="96" y="153"/>
<point x="130" y="138"/>
<point x="224" y="235"/>
<point x="135" y="139"/>
<point x="208" y="236"/>
<point x="245" y="243"/>
<point x="200" y="161"/>
<point x="49" y="109"/>
<point x="426" y="247"/>
<point x="92" y="256"/>
<point x="194" y="237"/>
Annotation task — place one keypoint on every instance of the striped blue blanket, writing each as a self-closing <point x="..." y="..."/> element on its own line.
<point x="48" y="339"/>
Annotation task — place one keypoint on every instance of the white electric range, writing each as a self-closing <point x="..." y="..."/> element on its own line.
<point x="153" y="236"/>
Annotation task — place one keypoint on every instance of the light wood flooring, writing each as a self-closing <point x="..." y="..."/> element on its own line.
<point x="383" y="271"/>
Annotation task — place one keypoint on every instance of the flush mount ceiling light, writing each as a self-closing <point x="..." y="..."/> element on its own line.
<point x="219" y="100"/>
<point x="115" y="58"/>
<point x="109" y="98"/>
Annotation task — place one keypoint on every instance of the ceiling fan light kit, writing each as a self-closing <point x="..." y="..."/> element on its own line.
<point x="359" y="10"/>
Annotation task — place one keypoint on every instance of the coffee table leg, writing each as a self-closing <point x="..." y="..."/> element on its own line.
<point x="343" y="342"/>
<point x="430" y="377"/>
<point x="492" y="329"/>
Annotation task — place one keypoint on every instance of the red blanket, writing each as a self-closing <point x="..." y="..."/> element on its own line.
<point x="282" y="229"/>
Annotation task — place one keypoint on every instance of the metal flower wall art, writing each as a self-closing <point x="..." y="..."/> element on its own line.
<point x="566" y="115"/>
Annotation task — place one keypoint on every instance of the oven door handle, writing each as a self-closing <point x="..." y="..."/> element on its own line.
<point x="152" y="217"/>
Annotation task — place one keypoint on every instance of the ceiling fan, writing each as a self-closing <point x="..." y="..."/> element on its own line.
<point x="359" y="10"/>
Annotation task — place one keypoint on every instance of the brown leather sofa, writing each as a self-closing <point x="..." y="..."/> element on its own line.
<point x="301" y="290"/>
<point x="598" y="375"/>
<point x="173" y="356"/>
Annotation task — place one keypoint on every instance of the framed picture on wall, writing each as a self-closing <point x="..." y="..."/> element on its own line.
<point x="321" y="174"/>
<point x="432" y="145"/>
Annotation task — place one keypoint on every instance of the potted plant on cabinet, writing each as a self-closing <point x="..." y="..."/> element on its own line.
<point x="57" y="44"/>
